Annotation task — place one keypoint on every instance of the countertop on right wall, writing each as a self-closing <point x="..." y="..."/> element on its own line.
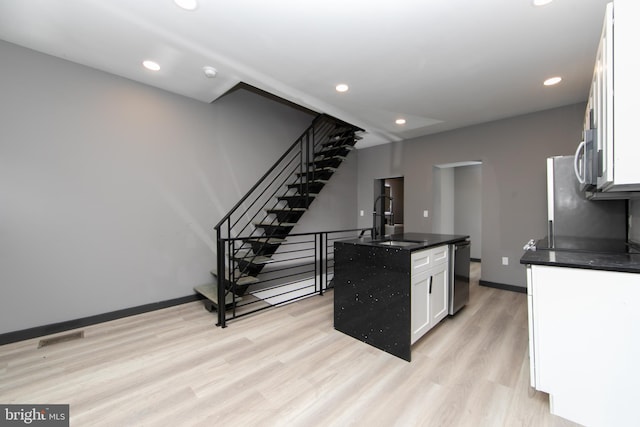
<point x="595" y="254"/>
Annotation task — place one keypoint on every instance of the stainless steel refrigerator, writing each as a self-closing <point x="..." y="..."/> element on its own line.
<point x="571" y="214"/>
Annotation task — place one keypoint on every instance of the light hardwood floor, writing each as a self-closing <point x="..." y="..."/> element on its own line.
<point x="285" y="367"/>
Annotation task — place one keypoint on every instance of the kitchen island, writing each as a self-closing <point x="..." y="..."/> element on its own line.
<point x="388" y="292"/>
<point x="583" y="328"/>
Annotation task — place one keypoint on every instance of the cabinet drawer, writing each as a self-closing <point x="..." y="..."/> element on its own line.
<point x="420" y="261"/>
<point x="440" y="255"/>
<point x="425" y="259"/>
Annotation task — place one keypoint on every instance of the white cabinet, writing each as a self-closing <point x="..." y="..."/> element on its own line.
<point x="439" y="296"/>
<point x="583" y="339"/>
<point x="615" y="91"/>
<point x="429" y="289"/>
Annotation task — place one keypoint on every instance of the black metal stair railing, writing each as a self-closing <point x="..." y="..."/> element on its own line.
<point x="254" y="238"/>
<point x="304" y="268"/>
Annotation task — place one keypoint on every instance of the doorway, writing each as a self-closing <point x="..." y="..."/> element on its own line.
<point x="388" y="206"/>
<point x="458" y="202"/>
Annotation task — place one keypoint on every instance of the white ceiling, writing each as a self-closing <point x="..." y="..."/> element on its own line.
<point x="440" y="64"/>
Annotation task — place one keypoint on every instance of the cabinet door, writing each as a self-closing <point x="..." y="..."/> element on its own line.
<point x="619" y="87"/>
<point x="625" y="93"/>
<point x="420" y="308"/>
<point x="602" y="87"/>
<point x="586" y="327"/>
<point x="533" y="368"/>
<point x="438" y="298"/>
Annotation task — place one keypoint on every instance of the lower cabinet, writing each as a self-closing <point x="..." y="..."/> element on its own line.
<point x="583" y="337"/>
<point x="429" y="289"/>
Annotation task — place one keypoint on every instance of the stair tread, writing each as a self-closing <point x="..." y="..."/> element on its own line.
<point x="333" y="139"/>
<point x="242" y="253"/>
<point x="336" y="147"/>
<point x="210" y="291"/>
<point x="267" y="240"/>
<point x="315" y="181"/>
<point x="260" y="259"/>
<point x="331" y="157"/>
<point x="274" y="224"/>
<point x="342" y="132"/>
<point x="313" y="187"/>
<point x="241" y="278"/>
<point x="326" y="153"/>
<point x="311" y="195"/>
<point x="326" y="168"/>
<point x="287" y="210"/>
<point x="247" y="280"/>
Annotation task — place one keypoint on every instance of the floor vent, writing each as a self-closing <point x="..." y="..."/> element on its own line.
<point x="61" y="338"/>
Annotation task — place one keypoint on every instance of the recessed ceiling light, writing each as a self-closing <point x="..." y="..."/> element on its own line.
<point x="151" y="65"/>
<point x="552" y="81"/>
<point x="541" y="2"/>
<point x="187" y="4"/>
<point x="401" y="121"/>
<point x="210" y="72"/>
<point x="342" y="87"/>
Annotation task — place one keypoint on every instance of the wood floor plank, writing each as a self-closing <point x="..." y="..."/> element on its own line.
<point x="285" y="367"/>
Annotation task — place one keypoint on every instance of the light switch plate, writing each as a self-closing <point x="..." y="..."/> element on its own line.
<point x="505" y="260"/>
<point x="361" y="213"/>
<point x="425" y="213"/>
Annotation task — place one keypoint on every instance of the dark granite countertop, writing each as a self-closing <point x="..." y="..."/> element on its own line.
<point x="411" y="241"/>
<point x="594" y="254"/>
<point x="586" y="244"/>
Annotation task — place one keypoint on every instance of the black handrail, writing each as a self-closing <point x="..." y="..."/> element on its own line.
<point x="307" y="233"/>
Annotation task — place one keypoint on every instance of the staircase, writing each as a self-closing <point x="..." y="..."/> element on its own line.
<point x="257" y="252"/>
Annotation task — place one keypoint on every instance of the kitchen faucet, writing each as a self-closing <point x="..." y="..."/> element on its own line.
<point x="375" y="233"/>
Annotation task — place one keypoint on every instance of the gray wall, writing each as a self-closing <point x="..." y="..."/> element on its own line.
<point x="443" y="210"/>
<point x="109" y="190"/>
<point x="468" y="205"/>
<point x="512" y="152"/>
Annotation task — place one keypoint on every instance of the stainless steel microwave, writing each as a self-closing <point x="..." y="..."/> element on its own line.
<point x="586" y="163"/>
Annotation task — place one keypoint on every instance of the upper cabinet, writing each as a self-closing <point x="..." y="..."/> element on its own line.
<point x="611" y="111"/>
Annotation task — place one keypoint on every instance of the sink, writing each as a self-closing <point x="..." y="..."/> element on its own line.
<point x="395" y="242"/>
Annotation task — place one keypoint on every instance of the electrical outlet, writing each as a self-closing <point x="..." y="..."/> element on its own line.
<point x="505" y="260"/>
<point x="425" y="213"/>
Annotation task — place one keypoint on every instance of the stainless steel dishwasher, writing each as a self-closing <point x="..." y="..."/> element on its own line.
<point x="459" y="280"/>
